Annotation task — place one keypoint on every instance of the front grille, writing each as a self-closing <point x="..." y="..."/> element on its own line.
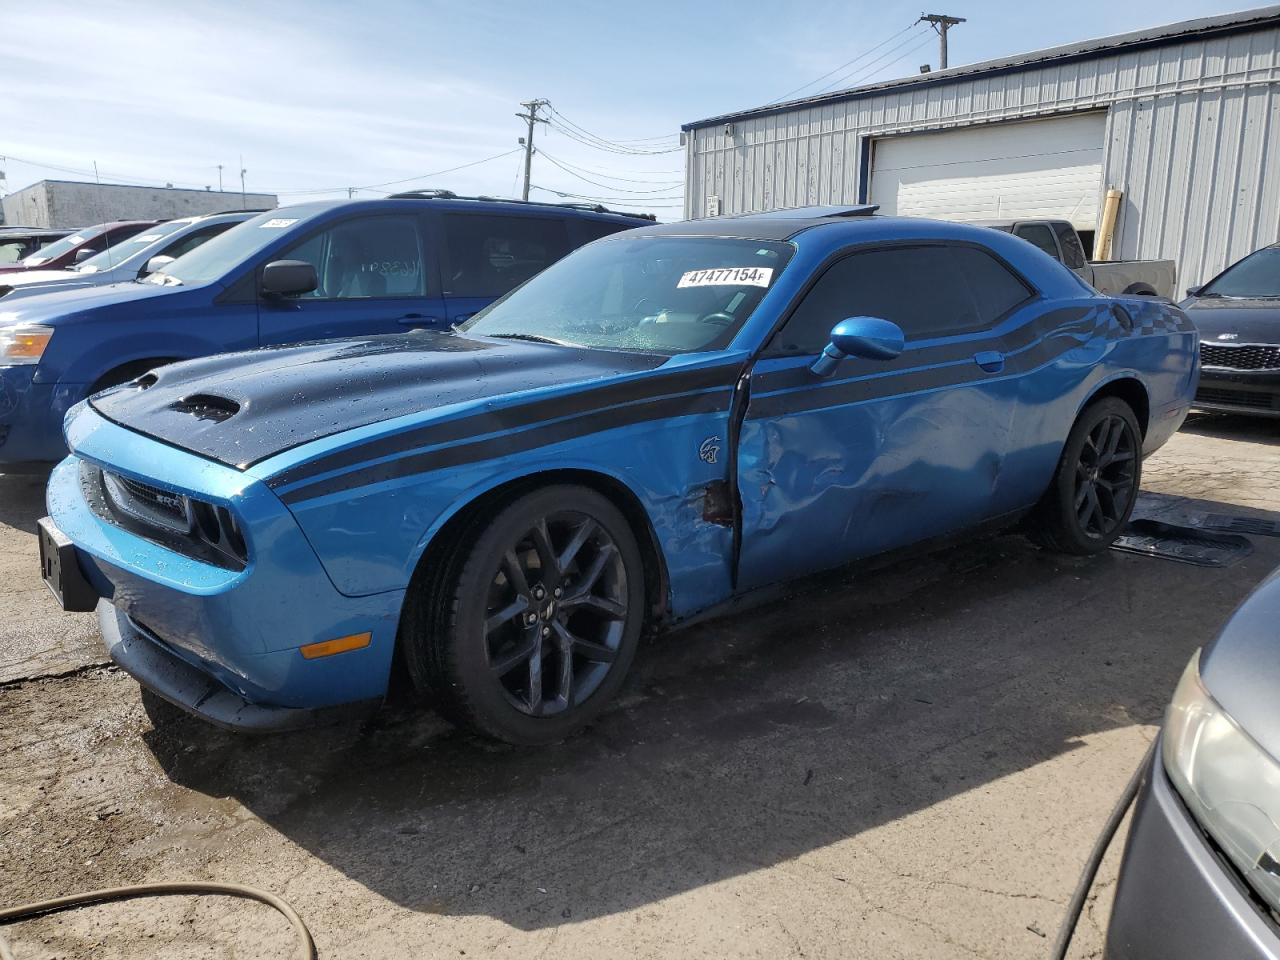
<point x="1237" y="398"/>
<point x="1245" y="357"/>
<point x="141" y="501"/>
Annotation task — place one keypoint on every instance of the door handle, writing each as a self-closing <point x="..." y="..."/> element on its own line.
<point x="991" y="361"/>
<point x="417" y="320"/>
<point x="463" y="317"/>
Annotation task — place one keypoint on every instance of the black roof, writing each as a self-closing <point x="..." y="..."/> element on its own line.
<point x="769" y="225"/>
<point x="583" y="207"/>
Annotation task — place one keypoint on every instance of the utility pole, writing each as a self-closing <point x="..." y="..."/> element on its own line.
<point x="243" y="171"/>
<point x="219" y="178"/>
<point x="941" y="23"/>
<point x="533" y="106"/>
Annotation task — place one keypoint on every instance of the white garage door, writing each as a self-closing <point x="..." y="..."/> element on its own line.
<point x="1028" y="169"/>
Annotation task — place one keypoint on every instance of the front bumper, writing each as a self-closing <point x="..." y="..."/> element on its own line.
<point x="184" y="624"/>
<point x="152" y="664"/>
<point x="31" y="415"/>
<point x="1254" y="392"/>
<point x="1177" y="899"/>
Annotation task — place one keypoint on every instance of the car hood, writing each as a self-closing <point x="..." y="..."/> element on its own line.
<point x="1251" y="321"/>
<point x="27" y="277"/>
<point x="242" y="408"/>
<point x="1241" y="668"/>
<point x="62" y="301"/>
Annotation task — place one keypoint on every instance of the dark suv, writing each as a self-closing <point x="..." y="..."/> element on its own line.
<point x="310" y="272"/>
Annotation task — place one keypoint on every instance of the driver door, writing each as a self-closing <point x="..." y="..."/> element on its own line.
<point x="881" y="453"/>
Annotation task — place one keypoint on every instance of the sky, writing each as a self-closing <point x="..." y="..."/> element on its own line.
<point x="322" y="96"/>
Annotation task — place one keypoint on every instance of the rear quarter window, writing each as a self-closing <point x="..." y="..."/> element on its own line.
<point x="488" y="255"/>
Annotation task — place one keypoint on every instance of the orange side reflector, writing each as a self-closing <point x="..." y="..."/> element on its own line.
<point x="327" y="648"/>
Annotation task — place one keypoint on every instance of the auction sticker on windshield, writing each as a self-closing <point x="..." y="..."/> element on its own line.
<point x="277" y="224"/>
<point x="727" y="277"/>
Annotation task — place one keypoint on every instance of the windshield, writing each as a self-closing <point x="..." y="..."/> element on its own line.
<point x="127" y="249"/>
<point x="59" y="247"/>
<point x="214" y="259"/>
<point x="648" y="294"/>
<point x="1257" y="276"/>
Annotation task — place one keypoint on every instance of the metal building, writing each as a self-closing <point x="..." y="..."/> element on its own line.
<point x="71" y="204"/>
<point x="1183" y="119"/>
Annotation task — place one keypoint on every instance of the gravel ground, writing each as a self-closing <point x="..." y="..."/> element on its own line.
<point x="905" y="762"/>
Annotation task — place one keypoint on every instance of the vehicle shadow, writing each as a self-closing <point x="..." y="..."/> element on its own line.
<point x="22" y="499"/>
<point x="1230" y="426"/>
<point x="747" y="741"/>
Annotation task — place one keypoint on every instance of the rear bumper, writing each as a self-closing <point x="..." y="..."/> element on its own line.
<point x="31" y="416"/>
<point x="1176" y="898"/>
<point x="1239" y="391"/>
<point x="146" y="659"/>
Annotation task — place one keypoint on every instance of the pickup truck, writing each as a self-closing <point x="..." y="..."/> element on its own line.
<point x="1058" y="238"/>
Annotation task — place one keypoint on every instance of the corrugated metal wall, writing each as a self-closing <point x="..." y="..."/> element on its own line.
<point x="1193" y="140"/>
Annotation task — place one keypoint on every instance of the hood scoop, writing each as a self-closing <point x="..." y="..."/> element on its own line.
<point x="206" y="406"/>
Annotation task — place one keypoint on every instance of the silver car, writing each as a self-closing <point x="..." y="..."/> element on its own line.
<point x="129" y="259"/>
<point x="1201" y="871"/>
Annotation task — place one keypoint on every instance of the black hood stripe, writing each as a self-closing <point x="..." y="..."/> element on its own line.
<point x="514" y="417"/>
<point x="458" y="454"/>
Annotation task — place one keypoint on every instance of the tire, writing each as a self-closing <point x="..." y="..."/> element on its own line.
<point x="528" y="628"/>
<point x="1096" y="483"/>
<point x="1140" y="289"/>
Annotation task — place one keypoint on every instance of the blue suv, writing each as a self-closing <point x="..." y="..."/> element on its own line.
<point x="310" y="272"/>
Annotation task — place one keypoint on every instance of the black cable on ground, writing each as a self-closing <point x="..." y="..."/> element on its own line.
<point x="1076" y="906"/>
<point x="306" y="946"/>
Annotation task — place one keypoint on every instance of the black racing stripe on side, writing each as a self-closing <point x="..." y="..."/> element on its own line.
<point x="878" y="388"/>
<point x="513" y="418"/>
<point x="1017" y="339"/>
<point x="463" y="453"/>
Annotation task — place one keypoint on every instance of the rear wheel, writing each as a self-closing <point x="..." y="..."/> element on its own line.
<point x="528" y="629"/>
<point x="1096" y="484"/>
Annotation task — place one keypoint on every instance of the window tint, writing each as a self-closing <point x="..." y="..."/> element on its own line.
<point x="1040" y="235"/>
<point x="1257" y="275"/>
<point x="194" y="239"/>
<point x="369" y="257"/>
<point x="489" y="255"/>
<point x="1069" y="240"/>
<point x="598" y="229"/>
<point x="996" y="289"/>
<point x="921" y="289"/>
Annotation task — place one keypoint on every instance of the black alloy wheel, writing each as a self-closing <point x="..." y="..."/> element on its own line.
<point x="555" y="613"/>
<point x="1096" y="482"/>
<point x="525" y="627"/>
<point x="1105" y="472"/>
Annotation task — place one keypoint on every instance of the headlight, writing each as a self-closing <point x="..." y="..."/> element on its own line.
<point x="23" y="343"/>
<point x="1230" y="784"/>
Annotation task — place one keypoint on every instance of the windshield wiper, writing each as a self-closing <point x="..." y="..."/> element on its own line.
<point x="532" y="338"/>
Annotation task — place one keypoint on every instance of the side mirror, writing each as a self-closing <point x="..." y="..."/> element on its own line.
<point x="1194" y="291"/>
<point x="288" y="278"/>
<point x="84" y="253"/>
<point x="867" y="337"/>
<point x="155" y="263"/>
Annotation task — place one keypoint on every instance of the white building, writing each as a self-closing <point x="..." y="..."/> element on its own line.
<point x="71" y="204"/>
<point x="1183" y="119"/>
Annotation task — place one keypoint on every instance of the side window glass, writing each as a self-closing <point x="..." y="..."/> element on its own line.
<point x="193" y="239"/>
<point x="365" y="258"/>
<point x="921" y="289"/>
<point x="996" y="289"/>
<point x="490" y="255"/>
<point x="1069" y="240"/>
<point x="598" y="229"/>
<point x="1040" y="235"/>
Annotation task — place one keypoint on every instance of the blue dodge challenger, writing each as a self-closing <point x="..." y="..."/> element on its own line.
<point x="660" y="422"/>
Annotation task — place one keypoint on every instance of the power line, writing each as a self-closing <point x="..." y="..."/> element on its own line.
<point x="850" y="63"/>
<point x="577" y="132"/>
<point x="631" y="200"/>
<point x="610" y="176"/>
<point x="608" y="186"/>
<point x="876" y="65"/>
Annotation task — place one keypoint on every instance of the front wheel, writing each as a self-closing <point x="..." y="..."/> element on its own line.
<point x="1096" y="484"/>
<point x="529" y="628"/>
